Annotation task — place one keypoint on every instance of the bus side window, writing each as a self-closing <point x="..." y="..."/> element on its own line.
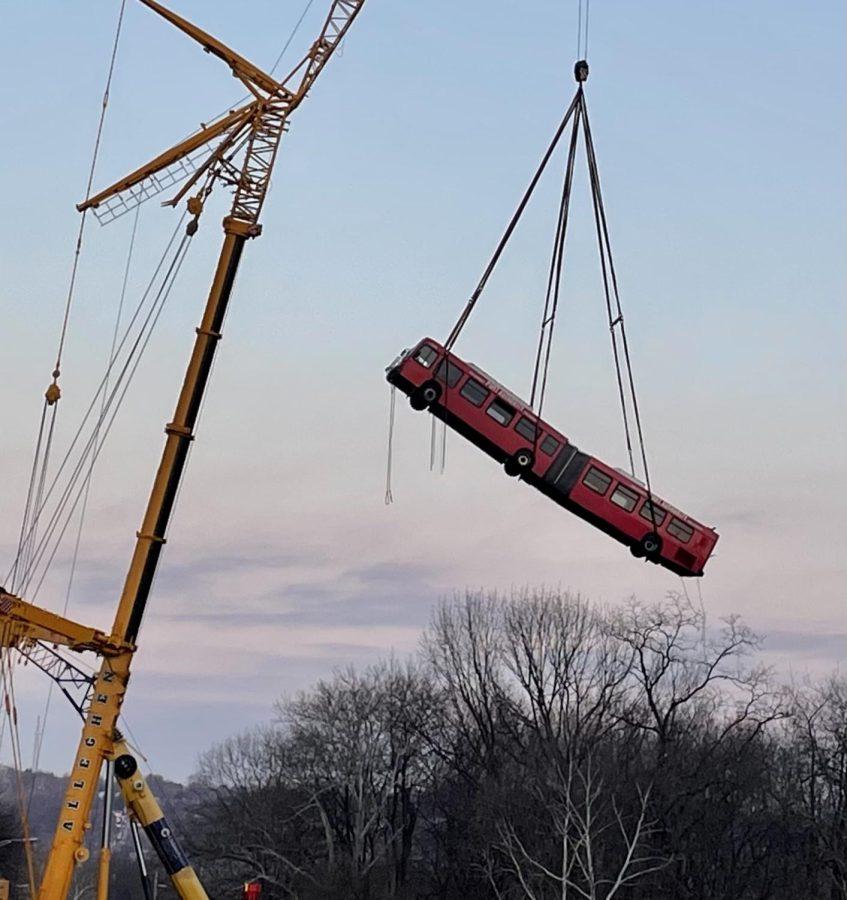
<point x="652" y="513"/>
<point x="549" y="445"/>
<point x="454" y="373"/>
<point x="596" y="480"/>
<point x="680" y="531"/>
<point x="501" y="412"/>
<point x="426" y="355"/>
<point x="624" y="498"/>
<point x="474" y="392"/>
<point x="526" y="428"/>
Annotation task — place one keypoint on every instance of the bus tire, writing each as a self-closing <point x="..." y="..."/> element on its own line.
<point x="424" y="396"/>
<point x="651" y="546"/>
<point x="520" y="462"/>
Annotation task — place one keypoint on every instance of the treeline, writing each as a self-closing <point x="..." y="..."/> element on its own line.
<point x="540" y="747"/>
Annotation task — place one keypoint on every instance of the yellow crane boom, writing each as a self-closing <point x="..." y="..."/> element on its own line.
<point x="258" y="126"/>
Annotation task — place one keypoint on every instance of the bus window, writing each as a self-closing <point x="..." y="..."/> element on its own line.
<point x="680" y="531"/>
<point x="474" y="392"/>
<point x="652" y="513"/>
<point x="549" y="445"/>
<point x="596" y="480"/>
<point x="454" y="373"/>
<point x="426" y="355"/>
<point x="501" y="412"/>
<point x="624" y="497"/>
<point x="526" y="428"/>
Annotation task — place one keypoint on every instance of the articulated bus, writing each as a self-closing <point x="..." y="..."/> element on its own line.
<point x="504" y="426"/>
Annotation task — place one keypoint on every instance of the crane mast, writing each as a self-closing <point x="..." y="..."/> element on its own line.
<point x="251" y="132"/>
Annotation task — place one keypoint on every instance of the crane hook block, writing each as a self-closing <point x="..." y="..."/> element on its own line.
<point x="52" y="394"/>
<point x="580" y="71"/>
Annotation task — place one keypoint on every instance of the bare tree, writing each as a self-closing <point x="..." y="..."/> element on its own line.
<point x="255" y="817"/>
<point x="598" y="849"/>
<point x="817" y="731"/>
<point x="359" y="742"/>
<point x="569" y="670"/>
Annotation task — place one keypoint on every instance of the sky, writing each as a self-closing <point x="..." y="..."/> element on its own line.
<point x="720" y="135"/>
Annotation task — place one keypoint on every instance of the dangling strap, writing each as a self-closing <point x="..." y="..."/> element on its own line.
<point x="389" y="497"/>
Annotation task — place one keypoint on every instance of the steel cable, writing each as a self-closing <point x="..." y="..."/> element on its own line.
<point x="104" y="381"/>
<point x="41" y="462"/>
<point x="130" y="366"/>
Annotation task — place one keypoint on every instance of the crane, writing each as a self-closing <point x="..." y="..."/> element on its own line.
<point x="239" y="149"/>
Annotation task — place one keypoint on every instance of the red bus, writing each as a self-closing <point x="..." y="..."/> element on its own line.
<point x="504" y="426"/>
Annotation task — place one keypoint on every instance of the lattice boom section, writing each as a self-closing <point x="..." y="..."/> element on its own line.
<point x="258" y="162"/>
<point x="73" y="682"/>
<point x="120" y="204"/>
<point x="264" y="140"/>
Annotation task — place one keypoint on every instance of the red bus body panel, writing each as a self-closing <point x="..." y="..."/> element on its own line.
<point x="581" y="483"/>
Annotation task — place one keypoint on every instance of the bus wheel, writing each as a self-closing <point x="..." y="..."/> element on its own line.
<point x="522" y="461"/>
<point x="651" y="545"/>
<point x="425" y="395"/>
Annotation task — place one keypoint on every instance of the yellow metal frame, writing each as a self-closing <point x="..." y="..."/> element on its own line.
<point x="261" y="124"/>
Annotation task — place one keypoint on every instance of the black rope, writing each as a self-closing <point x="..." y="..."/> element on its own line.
<point x="612" y="320"/>
<point x="463" y="318"/>
<point x="616" y="320"/>
<point x="554" y="277"/>
<point x="622" y="360"/>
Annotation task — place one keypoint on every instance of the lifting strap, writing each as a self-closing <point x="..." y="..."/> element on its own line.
<point x="578" y="111"/>
<point x="501" y="246"/>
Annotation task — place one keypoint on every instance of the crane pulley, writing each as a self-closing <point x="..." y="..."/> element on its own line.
<point x="247" y="140"/>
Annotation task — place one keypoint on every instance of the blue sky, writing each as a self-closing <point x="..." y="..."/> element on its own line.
<point x="720" y="134"/>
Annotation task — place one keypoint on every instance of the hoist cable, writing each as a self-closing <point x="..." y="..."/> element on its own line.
<point x="36" y="757"/>
<point x="618" y="320"/>
<point x="41" y="462"/>
<point x="73" y="478"/>
<point x="291" y="36"/>
<point x="579" y="32"/>
<point x="95" y="455"/>
<point x="582" y="32"/>
<point x="554" y="277"/>
<point x="94" y="155"/>
<point x="39" y="493"/>
<point x="130" y="366"/>
<point x="11" y="576"/>
<point x="104" y="380"/>
<point x="501" y="246"/>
